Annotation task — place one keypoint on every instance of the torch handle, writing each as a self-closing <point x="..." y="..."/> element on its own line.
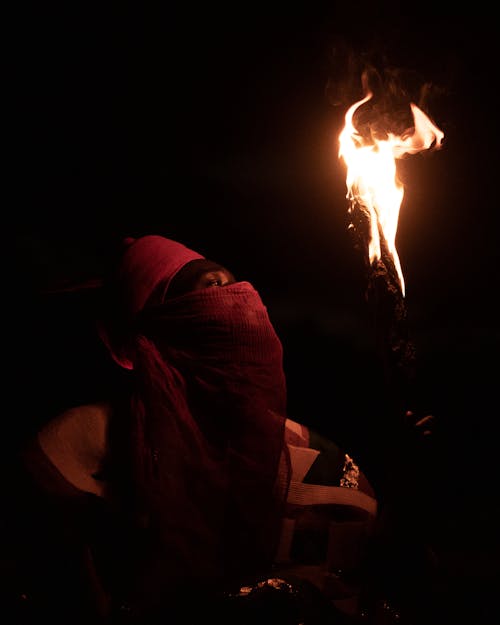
<point x="397" y="354"/>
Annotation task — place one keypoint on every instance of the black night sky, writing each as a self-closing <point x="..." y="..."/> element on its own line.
<point x="218" y="126"/>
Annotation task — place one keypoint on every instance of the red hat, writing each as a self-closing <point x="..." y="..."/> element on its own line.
<point x="146" y="262"/>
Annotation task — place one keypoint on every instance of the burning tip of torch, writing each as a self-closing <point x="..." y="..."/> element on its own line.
<point x="374" y="191"/>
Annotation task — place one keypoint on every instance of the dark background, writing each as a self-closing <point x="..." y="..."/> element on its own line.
<point x="218" y="126"/>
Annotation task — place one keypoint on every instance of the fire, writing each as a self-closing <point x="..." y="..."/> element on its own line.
<point x="372" y="182"/>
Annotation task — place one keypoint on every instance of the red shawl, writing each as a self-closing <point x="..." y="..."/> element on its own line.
<point x="208" y="414"/>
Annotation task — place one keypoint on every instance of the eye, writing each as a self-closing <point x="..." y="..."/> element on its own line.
<point x="195" y="275"/>
<point x="216" y="278"/>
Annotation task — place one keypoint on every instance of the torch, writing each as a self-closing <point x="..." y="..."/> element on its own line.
<point x="370" y="145"/>
<point x="374" y="192"/>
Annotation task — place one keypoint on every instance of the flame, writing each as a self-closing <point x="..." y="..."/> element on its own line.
<point x="372" y="182"/>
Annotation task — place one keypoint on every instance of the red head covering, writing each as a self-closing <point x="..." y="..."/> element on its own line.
<point x="146" y="262"/>
<point x="208" y="414"/>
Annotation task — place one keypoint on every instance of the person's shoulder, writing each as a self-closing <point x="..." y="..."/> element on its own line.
<point x="90" y="411"/>
<point x="76" y="442"/>
<point x="81" y="430"/>
<point x="81" y="420"/>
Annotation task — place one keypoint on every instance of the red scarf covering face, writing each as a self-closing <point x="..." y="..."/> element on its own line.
<point x="208" y="416"/>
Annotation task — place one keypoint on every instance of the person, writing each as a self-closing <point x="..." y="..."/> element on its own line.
<point x="189" y="482"/>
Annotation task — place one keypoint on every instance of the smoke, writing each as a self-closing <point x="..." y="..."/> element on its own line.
<point x="356" y="70"/>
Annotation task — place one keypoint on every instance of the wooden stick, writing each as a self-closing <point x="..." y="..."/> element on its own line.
<point x="387" y="304"/>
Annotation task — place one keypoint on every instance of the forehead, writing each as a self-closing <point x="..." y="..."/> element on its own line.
<point x="198" y="267"/>
<point x="186" y="278"/>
